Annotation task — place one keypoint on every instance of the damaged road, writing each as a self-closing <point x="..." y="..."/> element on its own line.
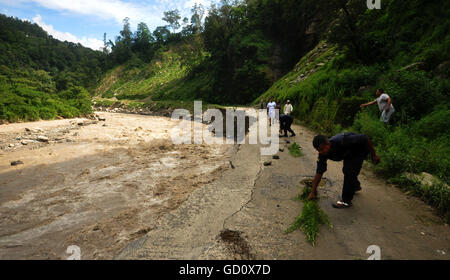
<point x="244" y="215"/>
<point x="120" y="189"/>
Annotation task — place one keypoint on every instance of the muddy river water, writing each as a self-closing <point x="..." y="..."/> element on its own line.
<point x="94" y="184"/>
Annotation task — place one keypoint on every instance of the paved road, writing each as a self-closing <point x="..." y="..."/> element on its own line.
<point x="243" y="215"/>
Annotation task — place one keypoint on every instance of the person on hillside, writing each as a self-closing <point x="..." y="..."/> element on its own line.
<point x="384" y="104"/>
<point x="271" y="110"/>
<point x="350" y="147"/>
<point x="285" y="125"/>
<point x="288" y="108"/>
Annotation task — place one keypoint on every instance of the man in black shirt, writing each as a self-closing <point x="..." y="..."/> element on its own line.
<point x="352" y="149"/>
<point x="285" y="125"/>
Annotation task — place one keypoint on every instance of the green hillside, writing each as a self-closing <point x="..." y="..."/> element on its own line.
<point x="404" y="49"/>
<point x="157" y="79"/>
<point x="41" y="77"/>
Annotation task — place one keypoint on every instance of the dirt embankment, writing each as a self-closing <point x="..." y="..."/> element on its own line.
<point x="94" y="184"/>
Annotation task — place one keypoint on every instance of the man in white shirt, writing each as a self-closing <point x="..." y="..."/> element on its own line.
<point x="271" y="110"/>
<point x="384" y="104"/>
<point x="288" y="108"/>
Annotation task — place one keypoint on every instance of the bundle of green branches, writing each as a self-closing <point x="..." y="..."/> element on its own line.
<point x="295" y="151"/>
<point x="310" y="218"/>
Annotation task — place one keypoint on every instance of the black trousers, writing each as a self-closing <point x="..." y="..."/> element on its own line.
<point x="285" y="124"/>
<point x="351" y="170"/>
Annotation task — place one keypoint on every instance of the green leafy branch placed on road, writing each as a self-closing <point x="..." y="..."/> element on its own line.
<point x="295" y="151"/>
<point x="310" y="218"/>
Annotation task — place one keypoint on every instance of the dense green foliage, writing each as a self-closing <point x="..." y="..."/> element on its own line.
<point x="242" y="48"/>
<point x="162" y="78"/>
<point x="30" y="95"/>
<point x="402" y="48"/>
<point x="252" y="43"/>
<point x="41" y="77"/>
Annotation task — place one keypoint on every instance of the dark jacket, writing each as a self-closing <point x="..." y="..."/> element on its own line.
<point x="344" y="146"/>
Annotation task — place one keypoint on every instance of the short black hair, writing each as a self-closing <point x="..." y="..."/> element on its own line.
<point x="319" y="140"/>
<point x="381" y="90"/>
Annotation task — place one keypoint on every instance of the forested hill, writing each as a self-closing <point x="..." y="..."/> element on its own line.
<point x="41" y="77"/>
<point x="230" y="56"/>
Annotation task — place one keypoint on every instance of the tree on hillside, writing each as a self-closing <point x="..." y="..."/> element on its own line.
<point x="143" y="40"/>
<point x="161" y="34"/>
<point x="125" y="33"/>
<point x="198" y="11"/>
<point x="345" y="31"/>
<point x="106" y="45"/>
<point x="122" y="48"/>
<point x="172" y="18"/>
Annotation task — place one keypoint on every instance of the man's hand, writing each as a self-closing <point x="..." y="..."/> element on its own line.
<point x="312" y="196"/>
<point x="362" y="106"/>
<point x="376" y="159"/>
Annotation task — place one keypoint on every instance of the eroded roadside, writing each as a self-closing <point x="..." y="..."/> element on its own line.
<point x="192" y="230"/>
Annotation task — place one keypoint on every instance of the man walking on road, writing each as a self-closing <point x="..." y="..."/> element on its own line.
<point x="384" y="104"/>
<point x="352" y="149"/>
<point x="271" y="110"/>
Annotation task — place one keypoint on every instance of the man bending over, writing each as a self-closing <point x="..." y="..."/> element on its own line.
<point x="352" y="149"/>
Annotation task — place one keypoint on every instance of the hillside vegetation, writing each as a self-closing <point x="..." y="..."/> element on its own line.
<point x="157" y="79"/>
<point x="404" y="49"/>
<point x="41" y="77"/>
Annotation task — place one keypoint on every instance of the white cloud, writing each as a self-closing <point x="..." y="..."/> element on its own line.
<point x="150" y="12"/>
<point x="108" y="9"/>
<point x="92" y="43"/>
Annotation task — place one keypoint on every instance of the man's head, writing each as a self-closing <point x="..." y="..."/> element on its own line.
<point x="379" y="92"/>
<point x="271" y="99"/>
<point x="288" y="102"/>
<point x="321" y="144"/>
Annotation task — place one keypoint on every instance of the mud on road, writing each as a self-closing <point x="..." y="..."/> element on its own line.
<point x="94" y="184"/>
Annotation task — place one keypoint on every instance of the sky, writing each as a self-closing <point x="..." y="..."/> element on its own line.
<point x="85" y="21"/>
